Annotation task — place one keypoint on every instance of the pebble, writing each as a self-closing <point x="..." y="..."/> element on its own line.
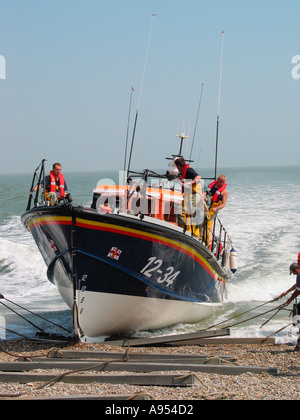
<point x="248" y="386"/>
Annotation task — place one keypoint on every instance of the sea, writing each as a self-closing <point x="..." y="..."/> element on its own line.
<point x="262" y="218"/>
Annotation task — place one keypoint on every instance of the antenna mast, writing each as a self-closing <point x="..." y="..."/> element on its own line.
<point x="126" y="143"/>
<point x="196" y="121"/>
<point x="218" y="114"/>
<point x="140" y="95"/>
<point x="181" y="136"/>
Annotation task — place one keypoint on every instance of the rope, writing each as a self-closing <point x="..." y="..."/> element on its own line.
<point x="23" y="317"/>
<point x="221" y="359"/>
<point x="281" y="329"/>
<point x="268" y="320"/>
<point x="243" y="313"/>
<point x="27" y="357"/>
<point x="33" y="313"/>
<point x="14" y="332"/>
<point x="11" y="354"/>
<point x="62" y="375"/>
<point x="253" y="317"/>
<point x="137" y="394"/>
<point x="180" y="378"/>
<point x="92" y="367"/>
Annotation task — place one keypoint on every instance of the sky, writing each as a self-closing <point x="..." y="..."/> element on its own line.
<point x="67" y="68"/>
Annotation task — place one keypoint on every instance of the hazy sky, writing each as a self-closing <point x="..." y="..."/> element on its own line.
<point x="70" y="65"/>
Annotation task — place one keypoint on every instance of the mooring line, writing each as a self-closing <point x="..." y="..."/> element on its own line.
<point x="23" y="317"/>
<point x="280" y="329"/>
<point x="253" y="317"/>
<point x="268" y="320"/>
<point x="33" y="313"/>
<point x="243" y="313"/>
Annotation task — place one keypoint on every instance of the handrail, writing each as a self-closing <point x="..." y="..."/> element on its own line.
<point x="216" y="243"/>
<point x="36" y="183"/>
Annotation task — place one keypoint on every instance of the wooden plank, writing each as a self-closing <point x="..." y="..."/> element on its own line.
<point x="130" y="379"/>
<point x="169" y="338"/>
<point x="150" y="357"/>
<point x="133" y="367"/>
<point x="213" y="360"/>
<point x="130" y="397"/>
<point x="225" y="340"/>
<point x="200" y="361"/>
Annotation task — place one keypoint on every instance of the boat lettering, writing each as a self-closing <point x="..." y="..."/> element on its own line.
<point x="151" y="260"/>
<point x="153" y="266"/>
<point x="169" y="277"/>
<point x="84" y="277"/>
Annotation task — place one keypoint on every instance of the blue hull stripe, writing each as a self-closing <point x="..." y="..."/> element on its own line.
<point x="139" y="277"/>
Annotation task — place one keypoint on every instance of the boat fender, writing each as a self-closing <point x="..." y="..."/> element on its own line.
<point x="233" y="260"/>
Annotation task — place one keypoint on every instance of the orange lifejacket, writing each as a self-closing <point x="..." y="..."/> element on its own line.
<point x="53" y="185"/>
<point x="217" y="195"/>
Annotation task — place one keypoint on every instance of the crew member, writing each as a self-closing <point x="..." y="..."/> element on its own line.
<point x="191" y="180"/>
<point x="216" y="196"/>
<point x="294" y="269"/>
<point x="56" y="187"/>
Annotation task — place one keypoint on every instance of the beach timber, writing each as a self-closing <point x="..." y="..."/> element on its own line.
<point x="30" y="370"/>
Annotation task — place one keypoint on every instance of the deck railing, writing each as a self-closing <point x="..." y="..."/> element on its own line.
<point x="216" y="239"/>
<point x="35" y="195"/>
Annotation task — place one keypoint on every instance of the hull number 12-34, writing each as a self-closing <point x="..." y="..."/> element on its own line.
<point x="154" y="267"/>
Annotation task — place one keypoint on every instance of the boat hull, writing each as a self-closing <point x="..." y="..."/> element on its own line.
<point x="123" y="273"/>
<point x="126" y="313"/>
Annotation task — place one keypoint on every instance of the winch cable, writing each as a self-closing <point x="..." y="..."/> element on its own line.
<point x="244" y="313"/>
<point x="23" y="317"/>
<point x="253" y="317"/>
<point x="268" y="320"/>
<point x="280" y="329"/>
<point x="15" y="333"/>
<point x="33" y="313"/>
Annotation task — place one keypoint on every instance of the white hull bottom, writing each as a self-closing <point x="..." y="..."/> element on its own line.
<point x="103" y="314"/>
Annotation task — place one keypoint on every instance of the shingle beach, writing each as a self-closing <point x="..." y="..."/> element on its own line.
<point x="284" y="385"/>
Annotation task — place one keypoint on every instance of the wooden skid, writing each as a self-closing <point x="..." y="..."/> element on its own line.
<point x="225" y="340"/>
<point x="147" y="357"/>
<point x="82" y="397"/>
<point x="129" y="379"/>
<point x="188" y="339"/>
<point x="132" y="367"/>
